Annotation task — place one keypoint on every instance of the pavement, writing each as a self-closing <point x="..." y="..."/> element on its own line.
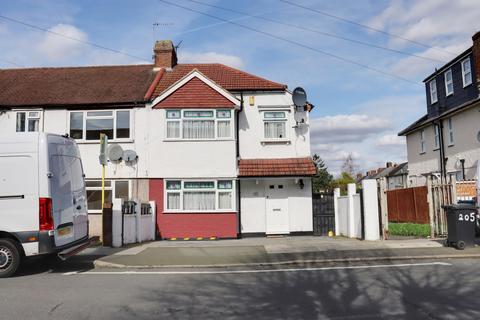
<point x="270" y="251"/>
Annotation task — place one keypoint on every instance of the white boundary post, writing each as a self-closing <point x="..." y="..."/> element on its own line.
<point x="336" y="194"/>
<point x="370" y="210"/>
<point x="351" y="190"/>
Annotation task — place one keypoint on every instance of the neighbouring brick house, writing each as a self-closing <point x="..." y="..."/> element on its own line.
<point x="222" y="152"/>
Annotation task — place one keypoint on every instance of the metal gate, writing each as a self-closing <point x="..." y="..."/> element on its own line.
<point x="323" y="213"/>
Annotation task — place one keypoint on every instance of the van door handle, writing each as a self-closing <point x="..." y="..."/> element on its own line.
<point x="79" y="207"/>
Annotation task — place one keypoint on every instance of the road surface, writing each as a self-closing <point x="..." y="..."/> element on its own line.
<point x="447" y="289"/>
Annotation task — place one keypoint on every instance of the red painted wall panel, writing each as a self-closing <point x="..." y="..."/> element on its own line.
<point x="192" y="225"/>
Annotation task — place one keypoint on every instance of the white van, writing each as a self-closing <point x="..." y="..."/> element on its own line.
<point x="43" y="206"/>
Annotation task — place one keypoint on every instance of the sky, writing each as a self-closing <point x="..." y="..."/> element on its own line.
<point x="364" y="95"/>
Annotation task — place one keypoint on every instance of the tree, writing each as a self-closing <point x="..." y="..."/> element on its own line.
<point x="342" y="182"/>
<point x="323" y="179"/>
<point x="349" y="165"/>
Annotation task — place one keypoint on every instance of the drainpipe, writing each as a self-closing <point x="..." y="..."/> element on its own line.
<point x="462" y="162"/>
<point x="443" y="160"/>
<point x="239" y="190"/>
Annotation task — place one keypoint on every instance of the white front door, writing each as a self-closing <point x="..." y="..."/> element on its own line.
<point x="277" y="219"/>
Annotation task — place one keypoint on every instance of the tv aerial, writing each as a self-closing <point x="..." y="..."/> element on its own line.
<point x="299" y="97"/>
<point x="115" y="153"/>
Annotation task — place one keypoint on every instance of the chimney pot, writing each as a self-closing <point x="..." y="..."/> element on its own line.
<point x="165" y="54"/>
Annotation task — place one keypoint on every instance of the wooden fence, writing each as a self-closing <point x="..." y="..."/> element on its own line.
<point x="418" y="204"/>
<point x="408" y="205"/>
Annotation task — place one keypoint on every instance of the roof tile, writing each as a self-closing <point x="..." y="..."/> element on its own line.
<point x="276" y="167"/>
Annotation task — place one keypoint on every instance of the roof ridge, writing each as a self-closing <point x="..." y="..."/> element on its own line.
<point x="79" y="67"/>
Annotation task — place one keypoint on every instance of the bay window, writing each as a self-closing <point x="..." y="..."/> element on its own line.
<point x="274" y="124"/>
<point x="88" y="125"/>
<point x="199" y="196"/>
<point x="199" y="124"/>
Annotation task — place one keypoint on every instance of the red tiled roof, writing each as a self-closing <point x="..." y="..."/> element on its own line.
<point x="277" y="167"/>
<point x="226" y="77"/>
<point x="193" y="94"/>
<point x="75" y="85"/>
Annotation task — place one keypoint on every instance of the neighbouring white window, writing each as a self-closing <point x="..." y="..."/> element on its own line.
<point x="433" y="91"/>
<point x="199" y="196"/>
<point x="448" y="82"/>
<point x="466" y="72"/>
<point x="199" y="124"/>
<point x="88" y="125"/>
<point x="437" y="136"/>
<point x="423" y="148"/>
<point x="450" y="132"/>
<point x="28" y="121"/>
<point x="274" y="124"/>
<point x="119" y="189"/>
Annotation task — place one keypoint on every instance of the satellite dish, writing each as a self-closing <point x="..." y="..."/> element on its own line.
<point x="115" y="152"/>
<point x="129" y="155"/>
<point x="299" y="97"/>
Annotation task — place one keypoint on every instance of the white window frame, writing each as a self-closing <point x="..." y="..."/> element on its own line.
<point x="113" y="116"/>
<point x="423" y="148"/>
<point x="447" y="82"/>
<point x="433" y="93"/>
<point x="215" y="117"/>
<point x="215" y="189"/>
<point x="436" y="137"/>
<point x="464" y="73"/>
<point x="30" y="115"/>
<point x="272" y="120"/>
<point x="451" y="138"/>
<point x="111" y="187"/>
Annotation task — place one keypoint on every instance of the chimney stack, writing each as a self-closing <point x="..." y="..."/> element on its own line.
<point x="165" y="54"/>
<point x="389" y="164"/>
<point x="476" y="57"/>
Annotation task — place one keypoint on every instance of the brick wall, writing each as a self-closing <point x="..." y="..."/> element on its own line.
<point x="476" y="57"/>
<point x="191" y="225"/>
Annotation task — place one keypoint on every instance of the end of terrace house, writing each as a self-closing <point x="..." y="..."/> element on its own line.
<point x="223" y="152"/>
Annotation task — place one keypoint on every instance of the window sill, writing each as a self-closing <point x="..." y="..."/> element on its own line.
<point x="451" y="145"/>
<point x="423" y="152"/>
<point x="199" y="212"/>
<point x="198" y="140"/>
<point x="448" y="95"/>
<point x="109" y="141"/>
<point x="436" y="149"/>
<point x="466" y="85"/>
<point x="280" y="141"/>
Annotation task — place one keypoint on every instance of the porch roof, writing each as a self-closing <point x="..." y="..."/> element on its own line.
<point x="276" y="167"/>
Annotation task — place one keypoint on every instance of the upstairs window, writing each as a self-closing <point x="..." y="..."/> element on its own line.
<point x="199" y="124"/>
<point x="437" y="136"/>
<point x="274" y="124"/>
<point x="433" y="91"/>
<point x="423" y="148"/>
<point x="466" y="72"/>
<point x="28" y="121"/>
<point x="450" y="132"/>
<point x="88" y="125"/>
<point x="448" y="82"/>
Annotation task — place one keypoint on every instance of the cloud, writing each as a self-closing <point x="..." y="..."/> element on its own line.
<point x="391" y="140"/>
<point x="211" y="57"/>
<point x="56" y="47"/>
<point x="346" y="128"/>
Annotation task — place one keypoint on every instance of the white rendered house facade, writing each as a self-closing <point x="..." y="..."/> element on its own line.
<point x="206" y="136"/>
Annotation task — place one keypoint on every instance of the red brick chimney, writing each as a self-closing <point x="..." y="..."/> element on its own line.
<point x="476" y="56"/>
<point x="165" y="54"/>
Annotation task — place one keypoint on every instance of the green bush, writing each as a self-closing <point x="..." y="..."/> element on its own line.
<point x="409" y="229"/>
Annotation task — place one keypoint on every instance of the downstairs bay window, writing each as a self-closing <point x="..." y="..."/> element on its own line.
<point x="199" y="124"/>
<point x="199" y="196"/>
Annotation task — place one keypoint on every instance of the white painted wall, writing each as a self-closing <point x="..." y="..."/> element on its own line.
<point x="466" y="146"/>
<point x="370" y="209"/>
<point x="251" y="129"/>
<point x="253" y="204"/>
<point x="348" y="212"/>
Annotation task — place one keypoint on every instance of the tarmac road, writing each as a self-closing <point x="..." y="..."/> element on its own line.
<point x="417" y="289"/>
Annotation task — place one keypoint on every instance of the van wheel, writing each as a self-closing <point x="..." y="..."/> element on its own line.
<point x="9" y="258"/>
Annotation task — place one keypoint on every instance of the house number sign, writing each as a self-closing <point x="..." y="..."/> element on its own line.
<point x="467" y="217"/>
